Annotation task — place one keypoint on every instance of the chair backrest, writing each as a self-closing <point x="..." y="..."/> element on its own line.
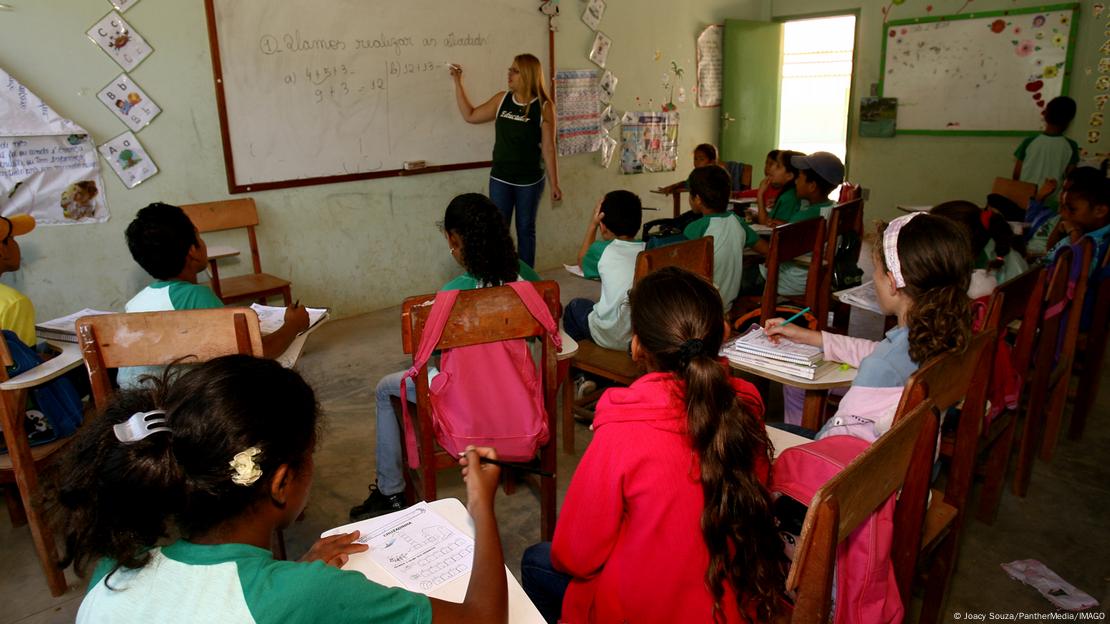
<point x="695" y="256"/>
<point x="845" y="502"/>
<point x="161" y="338"/>
<point x="228" y="214"/>
<point x="788" y="242"/>
<point x="1014" y="190"/>
<point x="845" y="218"/>
<point x="849" y="192"/>
<point x="1016" y="299"/>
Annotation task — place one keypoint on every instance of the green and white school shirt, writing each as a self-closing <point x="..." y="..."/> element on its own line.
<point x="164" y="296"/>
<point x="1046" y="156"/>
<point x="241" y="584"/>
<point x="730" y="236"/>
<point x="786" y="205"/>
<point x="793" y="276"/>
<point x="466" y="281"/>
<point x="614" y="261"/>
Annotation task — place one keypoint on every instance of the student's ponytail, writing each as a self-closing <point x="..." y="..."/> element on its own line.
<point x="934" y="254"/>
<point x="677" y="319"/>
<point x="981" y="225"/>
<point x="120" y="497"/>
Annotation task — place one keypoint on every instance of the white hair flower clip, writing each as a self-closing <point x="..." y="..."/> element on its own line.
<point x="244" y="467"/>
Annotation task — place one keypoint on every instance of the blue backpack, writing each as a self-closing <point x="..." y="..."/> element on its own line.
<point x="60" y="408"/>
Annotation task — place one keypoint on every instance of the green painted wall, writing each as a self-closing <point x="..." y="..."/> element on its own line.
<point x="355" y="246"/>
<point x="926" y="169"/>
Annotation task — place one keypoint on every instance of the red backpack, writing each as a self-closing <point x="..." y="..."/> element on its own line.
<point x="866" y="587"/>
<point x="486" y="394"/>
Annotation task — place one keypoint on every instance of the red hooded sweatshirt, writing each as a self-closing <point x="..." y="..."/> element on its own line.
<point x="629" y="531"/>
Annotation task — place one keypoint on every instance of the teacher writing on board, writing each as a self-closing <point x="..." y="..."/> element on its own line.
<point x="524" y="142"/>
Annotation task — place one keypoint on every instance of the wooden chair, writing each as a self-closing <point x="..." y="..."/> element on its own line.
<point x="1090" y="349"/>
<point x="945" y="380"/>
<point x="849" y="192"/>
<point x="846" y="501"/>
<point x="744" y="183"/>
<point x="479" y="316"/>
<point x="1012" y="301"/>
<point x="23" y="464"/>
<point x="788" y="242"/>
<point x="233" y="214"/>
<point x="695" y="256"/>
<point x="846" y="218"/>
<point x="1014" y="190"/>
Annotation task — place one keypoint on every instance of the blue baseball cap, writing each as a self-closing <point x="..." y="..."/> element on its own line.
<point x="824" y="164"/>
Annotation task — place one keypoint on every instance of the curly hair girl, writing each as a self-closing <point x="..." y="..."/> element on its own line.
<point x="479" y="239"/>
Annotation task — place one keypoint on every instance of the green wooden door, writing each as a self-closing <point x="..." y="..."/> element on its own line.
<point x="751" y="67"/>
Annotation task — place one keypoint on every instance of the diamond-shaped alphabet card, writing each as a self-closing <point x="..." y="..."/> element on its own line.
<point x="124" y="98"/>
<point x="128" y="159"/>
<point x="116" y="37"/>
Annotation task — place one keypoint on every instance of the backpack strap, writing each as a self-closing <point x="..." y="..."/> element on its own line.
<point x="433" y="330"/>
<point x="538" y="309"/>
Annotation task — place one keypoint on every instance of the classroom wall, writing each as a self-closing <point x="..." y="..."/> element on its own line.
<point x="356" y="246"/>
<point x="919" y="170"/>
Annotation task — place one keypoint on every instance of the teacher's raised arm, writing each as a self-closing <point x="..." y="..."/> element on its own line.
<point x="523" y="148"/>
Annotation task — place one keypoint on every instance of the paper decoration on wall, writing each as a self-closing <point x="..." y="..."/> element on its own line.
<point x="877" y="116"/>
<point x="592" y="15"/>
<point x="608" y="148"/>
<point x="578" y="126"/>
<point x="607" y="86"/>
<point x="48" y="165"/>
<point x="128" y="159"/>
<point x="123" y="5"/>
<point x="709" y="66"/>
<point x="1100" y="101"/>
<point x="1103" y="83"/>
<point x="599" y="53"/>
<point x="1093" y="136"/>
<point x="116" y="37"/>
<point x="609" y="118"/>
<point x="124" y="98"/>
<point x="1097" y="9"/>
<point x="670" y="81"/>
<point x="649" y="142"/>
<point x="550" y="8"/>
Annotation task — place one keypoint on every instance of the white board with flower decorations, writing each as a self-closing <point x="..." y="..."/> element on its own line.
<point x="979" y="73"/>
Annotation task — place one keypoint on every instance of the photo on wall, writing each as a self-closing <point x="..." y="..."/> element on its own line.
<point x="878" y="117"/>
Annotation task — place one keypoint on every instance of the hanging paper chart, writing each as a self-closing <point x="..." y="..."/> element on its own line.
<point x="980" y="73"/>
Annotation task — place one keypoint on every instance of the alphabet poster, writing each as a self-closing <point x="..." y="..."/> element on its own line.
<point x="116" y="37"/>
<point x="124" y="98"/>
<point x="48" y="165"/>
<point x="128" y="159"/>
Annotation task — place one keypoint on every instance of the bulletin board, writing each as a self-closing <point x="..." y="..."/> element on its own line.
<point x="339" y="90"/>
<point x="988" y="73"/>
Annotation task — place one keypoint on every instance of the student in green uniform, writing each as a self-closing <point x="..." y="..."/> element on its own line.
<point x="1050" y="154"/>
<point x="168" y="246"/>
<point x="613" y="260"/>
<point x="523" y="146"/>
<point x="479" y="241"/>
<point x="782" y="174"/>
<point x="818" y="174"/>
<point x="996" y="260"/>
<point x="220" y="458"/>
<point x="709" y="193"/>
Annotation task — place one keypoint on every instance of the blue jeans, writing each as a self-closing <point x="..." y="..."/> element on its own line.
<point x="526" y="200"/>
<point x="544" y="585"/>
<point x="576" y="318"/>
<point x="391" y="469"/>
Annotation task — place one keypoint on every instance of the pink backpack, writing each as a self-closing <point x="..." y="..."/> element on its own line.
<point x="866" y="587"/>
<point x="486" y="394"/>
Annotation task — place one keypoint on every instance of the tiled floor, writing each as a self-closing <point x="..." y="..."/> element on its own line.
<point x="1062" y="522"/>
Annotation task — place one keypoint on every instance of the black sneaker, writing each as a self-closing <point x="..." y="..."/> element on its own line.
<point x="377" y="504"/>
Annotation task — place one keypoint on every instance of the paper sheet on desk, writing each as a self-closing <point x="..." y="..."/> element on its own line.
<point x="574" y="269"/>
<point x="271" y="318"/>
<point x="417" y="546"/>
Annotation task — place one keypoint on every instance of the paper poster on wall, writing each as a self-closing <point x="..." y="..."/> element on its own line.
<point x="577" y="127"/>
<point x="48" y="165"/>
<point x="608" y="148"/>
<point x="649" y="142"/>
<point x="609" y="118"/>
<point x="128" y="159"/>
<point x="877" y="116"/>
<point x="116" y="37"/>
<point x="709" y="66"/>
<point x="123" y="5"/>
<point x="607" y="86"/>
<point x="592" y="15"/>
<point x="124" y="98"/>
<point x="599" y="53"/>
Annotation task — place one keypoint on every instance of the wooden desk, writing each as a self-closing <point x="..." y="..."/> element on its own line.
<point x="676" y="196"/>
<point x="69" y="359"/>
<point x="783" y="440"/>
<point x="521" y="609"/>
<point x="816" y="390"/>
<point x="215" y="252"/>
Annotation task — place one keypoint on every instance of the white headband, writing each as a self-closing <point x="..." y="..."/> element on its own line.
<point x="890" y="248"/>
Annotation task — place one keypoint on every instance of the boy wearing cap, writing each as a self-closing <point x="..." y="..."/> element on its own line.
<point x="168" y="246"/>
<point x="16" y="311"/>
<point x="818" y="174"/>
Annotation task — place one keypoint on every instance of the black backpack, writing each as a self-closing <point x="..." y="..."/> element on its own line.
<point x="846" y="271"/>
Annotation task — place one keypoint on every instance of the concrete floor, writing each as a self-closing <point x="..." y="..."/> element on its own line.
<point x="1061" y="523"/>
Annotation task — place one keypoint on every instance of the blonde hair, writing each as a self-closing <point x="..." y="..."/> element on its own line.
<point x="531" y="74"/>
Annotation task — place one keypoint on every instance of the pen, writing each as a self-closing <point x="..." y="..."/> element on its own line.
<point x="505" y="464"/>
<point x="796" y="316"/>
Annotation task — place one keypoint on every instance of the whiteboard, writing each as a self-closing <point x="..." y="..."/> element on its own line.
<point x="981" y="73"/>
<point x="336" y="90"/>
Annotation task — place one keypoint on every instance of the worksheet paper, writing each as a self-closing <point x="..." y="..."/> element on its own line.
<point x="417" y="546"/>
